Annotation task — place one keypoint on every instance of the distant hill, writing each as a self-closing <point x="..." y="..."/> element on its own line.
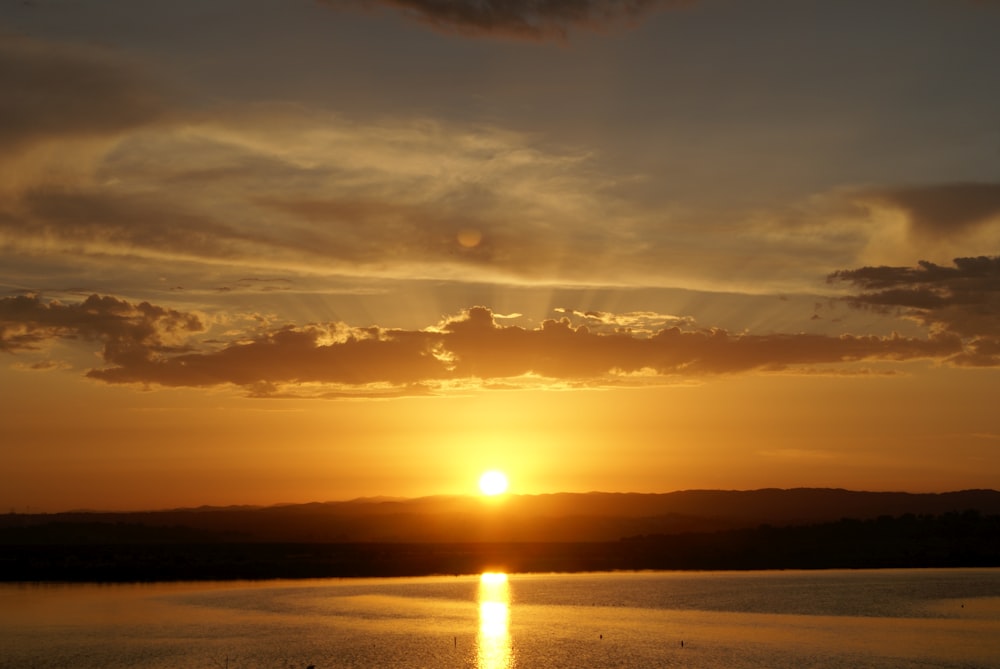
<point x="563" y="517"/>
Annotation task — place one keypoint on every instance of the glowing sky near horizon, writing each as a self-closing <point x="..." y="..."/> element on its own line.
<point x="263" y="251"/>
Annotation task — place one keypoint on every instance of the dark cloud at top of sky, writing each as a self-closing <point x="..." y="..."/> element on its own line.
<point x="59" y="90"/>
<point x="527" y="19"/>
<point x="941" y="210"/>
<point x="962" y="300"/>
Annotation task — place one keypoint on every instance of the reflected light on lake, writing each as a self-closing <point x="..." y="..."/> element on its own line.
<point x="494" y="645"/>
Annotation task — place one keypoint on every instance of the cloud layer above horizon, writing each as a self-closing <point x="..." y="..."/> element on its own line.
<point x="152" y="345"/>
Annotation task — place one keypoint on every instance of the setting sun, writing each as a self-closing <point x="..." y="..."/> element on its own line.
<point x="493" y="482"/>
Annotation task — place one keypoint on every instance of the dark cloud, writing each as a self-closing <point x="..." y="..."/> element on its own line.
<point x="292" y="355"/>
<point x="963" y="300"/>
<point x="129" y="333"/>
<point x="530" y="19"/>
<point x="144" y="344"/>
<point x="54" y="91"/>
<point x="558" y="350"/>
<point x="941" y="210"/>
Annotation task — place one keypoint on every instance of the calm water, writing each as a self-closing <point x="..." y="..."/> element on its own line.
<point x="906" y="618"/>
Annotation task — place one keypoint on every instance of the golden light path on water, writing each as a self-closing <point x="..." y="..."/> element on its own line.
<point x="494" y="645"/>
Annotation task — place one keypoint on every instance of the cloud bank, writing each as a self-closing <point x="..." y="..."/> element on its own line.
<point x="129" y="332"/>
<point x="156" y="346"/>
<point x="962" y="300"/>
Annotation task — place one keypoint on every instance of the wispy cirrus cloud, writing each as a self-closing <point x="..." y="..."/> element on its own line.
<point x="94" y="162"/>
<point x="290" y="190"/>
<point x="279" y="188"/>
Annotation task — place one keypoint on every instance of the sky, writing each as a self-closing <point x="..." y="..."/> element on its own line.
<point x="282" y="251"/>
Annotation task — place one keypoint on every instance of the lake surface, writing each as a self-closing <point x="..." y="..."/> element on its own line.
<point x="726" y="620"/>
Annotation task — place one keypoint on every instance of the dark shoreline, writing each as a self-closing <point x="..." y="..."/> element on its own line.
<point x="968" y="539"/>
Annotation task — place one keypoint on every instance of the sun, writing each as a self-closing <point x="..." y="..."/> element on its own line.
<point x="493" y="482"/>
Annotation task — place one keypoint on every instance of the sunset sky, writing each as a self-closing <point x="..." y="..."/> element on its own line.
<point x="270" y="251"/>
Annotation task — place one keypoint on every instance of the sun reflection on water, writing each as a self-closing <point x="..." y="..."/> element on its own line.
<point x="494" y="644"/>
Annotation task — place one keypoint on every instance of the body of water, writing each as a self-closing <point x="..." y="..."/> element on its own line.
<point x="717" y="620"/>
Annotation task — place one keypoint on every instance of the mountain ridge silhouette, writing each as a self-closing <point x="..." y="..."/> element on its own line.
<point x="549" y="517"/>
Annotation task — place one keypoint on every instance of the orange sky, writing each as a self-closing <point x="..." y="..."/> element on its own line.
<point x="256" y="252"/>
